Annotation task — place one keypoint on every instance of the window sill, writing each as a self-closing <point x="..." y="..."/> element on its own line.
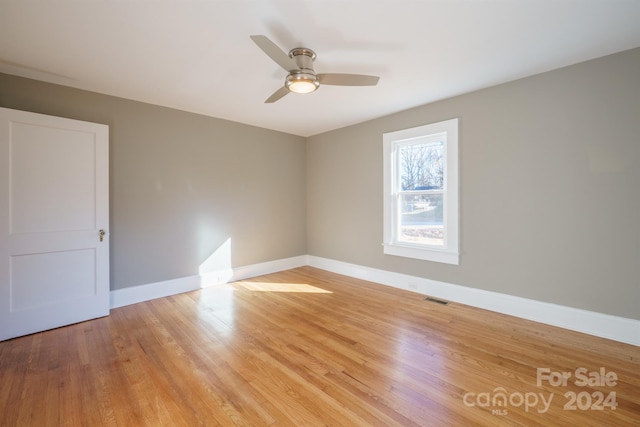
<point x="423" y="254"/>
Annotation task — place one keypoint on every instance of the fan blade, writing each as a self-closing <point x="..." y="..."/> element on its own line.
<point x="274" y="52"/>
<point x="277" y="95"/>
<point x="348" y="79"/>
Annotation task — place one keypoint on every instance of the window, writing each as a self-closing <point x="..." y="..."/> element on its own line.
<point x="421" y="192"/>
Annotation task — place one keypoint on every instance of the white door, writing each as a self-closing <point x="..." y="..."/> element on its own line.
<point x="54" y="202"/>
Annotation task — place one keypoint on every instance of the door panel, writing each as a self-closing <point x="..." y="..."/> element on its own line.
<point x="65" y="164"/>
<point x="54" y="268"/>
<point x="51" y="278"/>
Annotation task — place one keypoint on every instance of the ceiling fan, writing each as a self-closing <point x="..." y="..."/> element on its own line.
<point x="302" y="78"/>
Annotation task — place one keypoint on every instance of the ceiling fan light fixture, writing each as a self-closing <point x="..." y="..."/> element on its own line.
<point x="302" y="82"/>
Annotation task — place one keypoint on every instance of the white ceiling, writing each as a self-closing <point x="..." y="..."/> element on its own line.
<point x="196" y="55"/>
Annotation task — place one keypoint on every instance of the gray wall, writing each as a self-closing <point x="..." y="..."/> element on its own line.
<point x="181" y="184"/>
<point x="550" y="188"/>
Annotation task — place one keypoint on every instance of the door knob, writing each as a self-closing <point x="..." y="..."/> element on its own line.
<point x="102" y="233"/>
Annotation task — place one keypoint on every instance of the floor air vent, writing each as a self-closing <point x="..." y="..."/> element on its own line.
<point x="437" y="301"/>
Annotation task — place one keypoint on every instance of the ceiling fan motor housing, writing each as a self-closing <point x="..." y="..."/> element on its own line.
<point x="304" y="79"/>
<point x="303" y="57"/>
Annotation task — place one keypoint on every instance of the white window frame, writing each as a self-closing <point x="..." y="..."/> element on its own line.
<point x="449" y="252"/>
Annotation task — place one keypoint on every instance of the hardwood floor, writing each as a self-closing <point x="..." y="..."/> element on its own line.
<point x="306" y="347"/>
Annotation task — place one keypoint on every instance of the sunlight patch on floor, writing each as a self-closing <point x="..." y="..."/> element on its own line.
<point x="282" y="287"/>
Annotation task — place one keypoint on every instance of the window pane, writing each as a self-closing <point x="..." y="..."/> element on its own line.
<point x="421" y="219"/>
<point x="422" y="166"/>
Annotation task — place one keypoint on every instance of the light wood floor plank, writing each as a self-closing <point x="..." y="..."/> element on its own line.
<point x="306" y="347"/>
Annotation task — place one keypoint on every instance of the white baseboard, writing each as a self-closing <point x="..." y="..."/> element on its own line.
<point x="136" y="294"/>
<point x="589" y="322"/>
